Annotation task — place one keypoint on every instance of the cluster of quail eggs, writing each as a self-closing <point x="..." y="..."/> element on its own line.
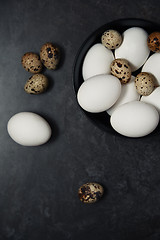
<point x="33" y="63"/>
<point x="122" y="77"/>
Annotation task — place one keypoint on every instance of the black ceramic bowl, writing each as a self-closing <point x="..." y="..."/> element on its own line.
<point x="102" y="120"/>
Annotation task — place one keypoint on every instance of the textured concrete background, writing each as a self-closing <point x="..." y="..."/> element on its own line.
<point x="38" y="185"/>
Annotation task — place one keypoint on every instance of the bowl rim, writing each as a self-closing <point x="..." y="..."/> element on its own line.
<point x="124" y="22"/>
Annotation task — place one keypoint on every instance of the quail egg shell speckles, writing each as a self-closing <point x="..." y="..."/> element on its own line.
<point x="144" y="83"/>
<point x="154" y="41"/>
<point x="111" y="39"/>
<point x="50" y="56"/>
<point x="121" y="69"/>
<point x="36" y="84"/>
<point x="31" y="62"/>
<point x="90" y="192"/>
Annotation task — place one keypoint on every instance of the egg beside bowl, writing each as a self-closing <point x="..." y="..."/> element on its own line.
<point x="29" y="129"/>
<point x="113" y="92"/>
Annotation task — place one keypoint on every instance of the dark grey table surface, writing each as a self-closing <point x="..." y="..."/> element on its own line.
<point x="38" y="185"/>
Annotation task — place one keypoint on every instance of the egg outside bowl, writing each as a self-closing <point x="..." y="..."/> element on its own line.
<point x="102" y="120"/>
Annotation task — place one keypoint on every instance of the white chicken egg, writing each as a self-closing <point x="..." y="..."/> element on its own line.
<point x="153" y="98"/>
<point x="99" y="93"/>
<point x="28" y="129"/>
<point x="152" y="66"/>
<point x="128" y="94"/>
<point x="134" y="47"/>
<point x="97" y="61"/>
<point x="135" y="119"/>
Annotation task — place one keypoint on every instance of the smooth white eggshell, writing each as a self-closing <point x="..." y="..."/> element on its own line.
<point x="135" y="119"/>
<point x="134" y="47"/>
<point x="99" y="93"/>
<point x="153" y="98"/>
<point x="152" y="65"/>
<point x="29" y="129"/>
<point x="97" y="61"/>
<point x="128" y="94"/>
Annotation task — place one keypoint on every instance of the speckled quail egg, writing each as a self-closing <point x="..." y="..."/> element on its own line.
<point x="90" y="192"/>
<point x="50" y="55"/>
<point x="153" y="42"/>
<point x="31" y="62"/>
<point x="36" y="84"/>
<point x="111" y="39"/>
<point x="144" y="83"/>
<point x="120" y="68"/>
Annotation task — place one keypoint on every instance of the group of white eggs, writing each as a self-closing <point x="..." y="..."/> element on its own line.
<point x="132" y="115"/>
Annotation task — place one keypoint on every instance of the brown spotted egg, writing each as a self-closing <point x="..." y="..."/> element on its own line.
<point x="145" y="83"/>
<point x="153" y="42"/>
<point x="121" y="69"/>
<point x="36" y="84"/>
<point x="50" y="56"/>
<point x="31" y="62"/>
<point x="90" y="192"/>
<point x="111" y="39"/>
